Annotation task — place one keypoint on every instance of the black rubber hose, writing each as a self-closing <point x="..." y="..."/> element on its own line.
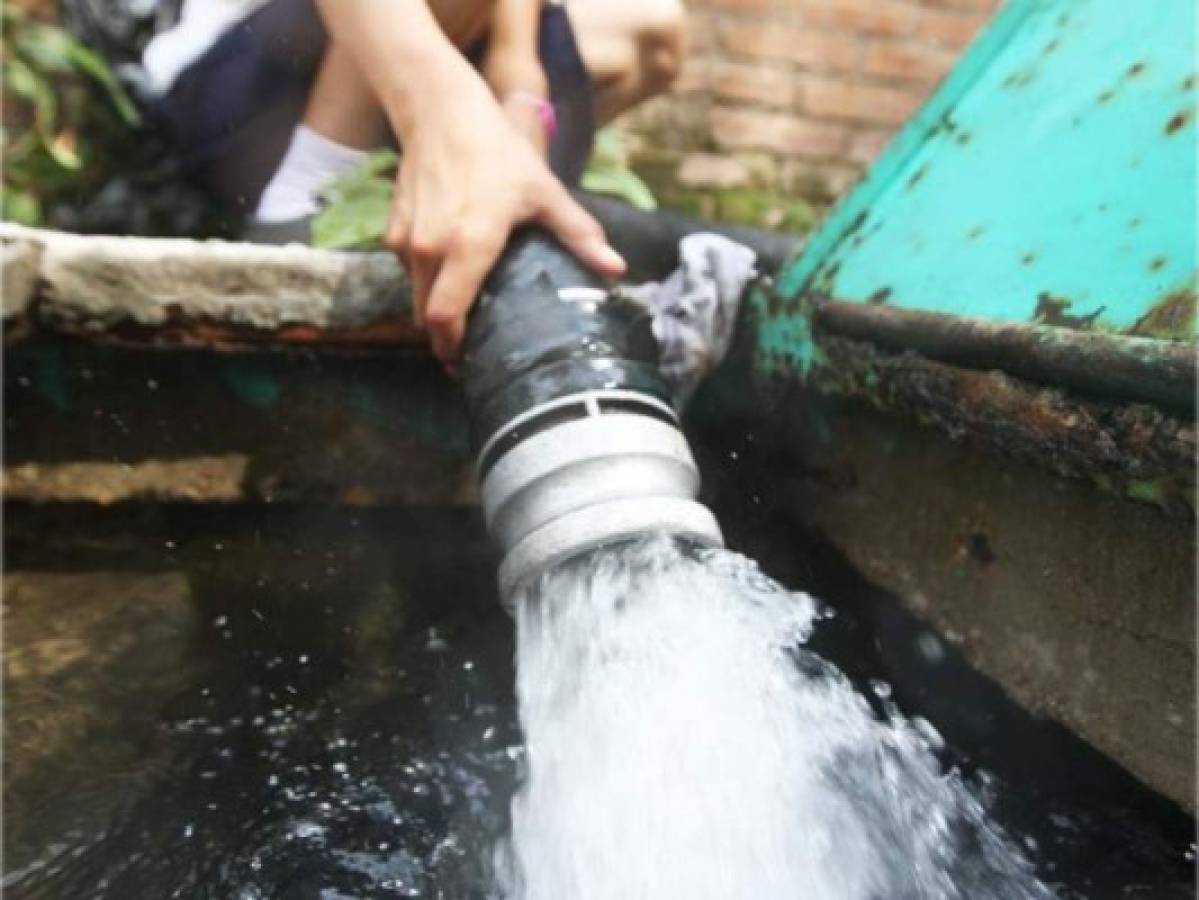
<point x="528" y="344"/>
<point x="649" y="241"/>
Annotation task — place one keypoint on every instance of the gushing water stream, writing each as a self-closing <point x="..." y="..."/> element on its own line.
<point x="683" y="743"/>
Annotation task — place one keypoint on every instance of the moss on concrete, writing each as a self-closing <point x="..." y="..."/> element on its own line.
<point x="741" y="206"/>
<point x="757" y="205"/>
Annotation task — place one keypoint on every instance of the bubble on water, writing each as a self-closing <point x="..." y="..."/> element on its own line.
<point x="930" y="647"/>
<point x="308" y="831"/>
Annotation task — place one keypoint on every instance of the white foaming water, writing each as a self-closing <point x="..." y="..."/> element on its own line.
<point x="682" y="743"/>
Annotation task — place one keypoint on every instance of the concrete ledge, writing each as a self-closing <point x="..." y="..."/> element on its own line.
<point x="214" y="479"/>
<point x="19" y="265"/>
<point x="202" y="292"/>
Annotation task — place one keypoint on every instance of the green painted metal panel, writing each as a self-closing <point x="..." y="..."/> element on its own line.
<point x="1051" y="179"/>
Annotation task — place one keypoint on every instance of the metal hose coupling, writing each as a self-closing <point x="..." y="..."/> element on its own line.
<point x="576" y="439"/>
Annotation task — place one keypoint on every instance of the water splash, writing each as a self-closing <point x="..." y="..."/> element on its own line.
<point x="683" y="742"/>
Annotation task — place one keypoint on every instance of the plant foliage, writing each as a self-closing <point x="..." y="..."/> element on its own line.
<point x="608" y="172"/>
<point x="66" y="118"/>
<point x="357" y="206"/>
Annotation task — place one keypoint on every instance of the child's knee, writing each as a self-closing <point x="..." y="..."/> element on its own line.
<point x="661" y="41"/>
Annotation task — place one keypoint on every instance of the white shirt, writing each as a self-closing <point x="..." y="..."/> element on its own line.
<point x="201" y="23"/>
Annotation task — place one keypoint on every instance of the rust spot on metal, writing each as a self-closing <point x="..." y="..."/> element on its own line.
<point x="1133" y="71"/>
<point x="1050" y="47"/>
<point x="1157" y="264"/>
<point x="181" y="332"/>
<point x="1029" y="258"/>
<point x="1178" y="120"/>
<point x="944" y="124"/>
<point x="917" y="177"/>
<point x="1188" y="83"/>
<point x="963" y="138"/>
<point x="879" y="296"/>
<point x="975" y="233"/>
<point x="1108" y="443"/>
<point x="1173" y="316"/>
<point x="858" y="221"/>
<point x="1051" y="310"/>
<point x="1019" y="79"/>
<point x="1136" y="222"/>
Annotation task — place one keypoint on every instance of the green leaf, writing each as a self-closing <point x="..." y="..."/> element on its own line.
<point x="608" y="171"/>
<point x="55" y="50"/>
<point x="20" y="207"/>
<point x="31" y="86"/>
<point x="379" y="162"/>
<point x="622" y="183"/>
<point x="62" y="149"/>
<point x="46" y="48"/>
<point x="358" y="206"/>
<point x="608" y="151"/>
<point x="21" y="80"/>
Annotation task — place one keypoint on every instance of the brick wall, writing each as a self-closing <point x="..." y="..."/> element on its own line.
<point x="791" y="99"/>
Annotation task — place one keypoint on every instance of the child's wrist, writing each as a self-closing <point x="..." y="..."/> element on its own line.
<point x="539" y="106"/>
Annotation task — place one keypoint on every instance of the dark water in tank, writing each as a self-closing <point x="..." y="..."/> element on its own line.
<point x="334" y="715"/>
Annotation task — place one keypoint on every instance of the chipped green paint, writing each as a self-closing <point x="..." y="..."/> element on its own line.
<point x="1051" y="180"/>
<point x="786" y="336"/>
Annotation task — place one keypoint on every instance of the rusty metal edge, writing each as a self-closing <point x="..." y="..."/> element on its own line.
<point x="1143" y="370"/>
<point x="1136" y="451"/>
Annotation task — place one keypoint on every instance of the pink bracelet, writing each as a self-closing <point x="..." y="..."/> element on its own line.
<point x="545" y="110"/>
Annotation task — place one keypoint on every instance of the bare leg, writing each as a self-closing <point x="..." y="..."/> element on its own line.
<point x="343" y="119"/>
<point x="343" y="107"/>
<point x="632" y="48"/>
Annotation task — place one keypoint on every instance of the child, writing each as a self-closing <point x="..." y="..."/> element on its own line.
<point x="493" y="103"/>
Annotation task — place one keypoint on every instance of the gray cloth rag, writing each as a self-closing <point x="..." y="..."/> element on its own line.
<point x="695" y="308"/>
